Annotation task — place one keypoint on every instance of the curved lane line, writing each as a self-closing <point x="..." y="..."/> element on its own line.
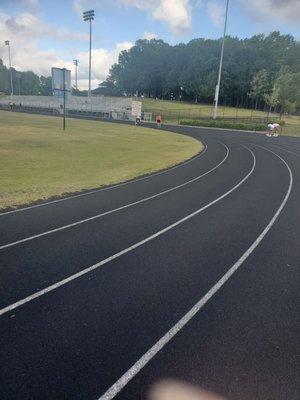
<point x="136" y="368"/>
<point x="284" y="149"/>
<point x="109" y="187"/>
<point x="5" y="246"/>
<point x="128" y="249"/>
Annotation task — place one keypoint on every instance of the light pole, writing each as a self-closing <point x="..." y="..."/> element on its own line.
<point x="89" y="16"/>
<point x="75" y="62"/>
<point x="220" y="66"/>
<point x="11" y="77"/>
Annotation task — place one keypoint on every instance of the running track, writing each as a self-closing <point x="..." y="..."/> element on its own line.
<point x="191" y="273"/>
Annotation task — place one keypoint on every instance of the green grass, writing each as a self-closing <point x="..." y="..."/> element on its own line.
<point x="174" y="111"/>
<point x="196" y="110"/>
<point x="38" y="160"/>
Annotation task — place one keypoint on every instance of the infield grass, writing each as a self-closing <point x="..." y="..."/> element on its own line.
<point x="174" y="111"/>
<point x="39" y="161"/>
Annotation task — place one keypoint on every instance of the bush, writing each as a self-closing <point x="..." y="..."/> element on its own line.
<point x="281" y="122"/>
<point x="248" y="126"/>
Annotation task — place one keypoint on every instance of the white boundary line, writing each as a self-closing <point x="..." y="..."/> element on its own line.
<point x="284" y="149"/>
<point x="136" y="368"/>
<point x="127" y="250"/>
<point x="109" y="187"/>
<point x="5" y="246"/>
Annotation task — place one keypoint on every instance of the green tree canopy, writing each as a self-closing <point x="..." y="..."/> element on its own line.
<point x="189" y="71"/>
<point x="259" y="70"/>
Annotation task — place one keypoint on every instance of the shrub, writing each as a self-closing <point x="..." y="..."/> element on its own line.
<point x="248" y="126"/>
<point x="281" y="122"/>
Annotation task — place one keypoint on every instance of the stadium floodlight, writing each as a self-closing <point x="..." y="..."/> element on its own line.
<point x="7" y="43"/>
<point x="89" y="16"/>
<point x="76" y="62"/>
<point x="221" y="63"/>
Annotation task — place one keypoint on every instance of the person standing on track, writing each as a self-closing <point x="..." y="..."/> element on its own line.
<point x="273" y="129"/>
<point x="270" y="129"/>
<point x="276" y="129"/>
<point x="158" y="120"/>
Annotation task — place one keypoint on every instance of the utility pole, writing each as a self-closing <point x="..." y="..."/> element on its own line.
<point x="7" y="43"/>
<point x="75" y="62"/>
<point x="89" y="16"/>
<point x="220" y="66"/>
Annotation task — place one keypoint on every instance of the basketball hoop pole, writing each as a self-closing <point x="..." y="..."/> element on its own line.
<point x="220" y="66"/>
<point x="61" y="86"/>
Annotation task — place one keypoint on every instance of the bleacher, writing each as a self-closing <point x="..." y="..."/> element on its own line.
<point x="96" y="107"/>
<point x="98" y="103"/>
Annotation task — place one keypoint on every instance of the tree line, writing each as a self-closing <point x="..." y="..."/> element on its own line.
<point x="258" y="72"/>
<point x="27" y="82"/>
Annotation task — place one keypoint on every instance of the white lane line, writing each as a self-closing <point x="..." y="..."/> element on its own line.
<point x="5" y="246"/>
<point x="128" y="249"/>
<point x="283" y="148"/>
<point x="136" y="368"/>
<point x="107" y="188"/>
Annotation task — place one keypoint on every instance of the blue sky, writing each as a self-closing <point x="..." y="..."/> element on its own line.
<point x="48" y="32"/>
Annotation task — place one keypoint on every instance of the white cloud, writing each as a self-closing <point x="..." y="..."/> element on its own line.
<point x="83" y="83"/>
<point x="24" y="49"/>
<point x="149" y="36"/>
<point x="82" y="5"/>
<point x="24" y="31"/>
<point x="31" y="4"/>
<point x="29" y="25"/>
<point x="284" y="10"/>
<point x="175" y="13"/>
<point x="102" y="60"/>
<point x="216" y="12"/>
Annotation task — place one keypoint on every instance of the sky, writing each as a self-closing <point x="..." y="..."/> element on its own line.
<point x="47" y="33"/>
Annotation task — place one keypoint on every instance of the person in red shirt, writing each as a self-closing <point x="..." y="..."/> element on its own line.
<point x="158" y="120"/>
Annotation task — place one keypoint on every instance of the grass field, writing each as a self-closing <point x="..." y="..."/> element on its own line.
<point x="38" y="160"/>
<point x="174" y="111"/>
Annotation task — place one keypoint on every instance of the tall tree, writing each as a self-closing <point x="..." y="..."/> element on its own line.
<point x="45" y="86"/>
<point x="260" y="86"/>
<point x="262" y="67"/>
<point x="155" y="69"/>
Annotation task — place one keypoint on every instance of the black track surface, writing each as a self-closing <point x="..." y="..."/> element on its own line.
<point x="78" y="340"/>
